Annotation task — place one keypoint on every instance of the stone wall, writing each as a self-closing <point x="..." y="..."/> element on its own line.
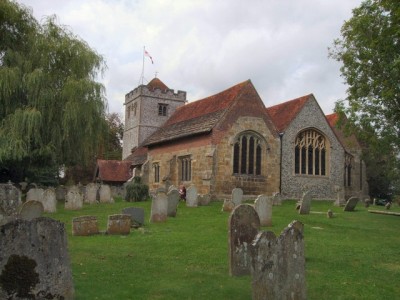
<point x="322" y="187"/>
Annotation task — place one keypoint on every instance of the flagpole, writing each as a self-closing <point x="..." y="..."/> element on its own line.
<point x="142" y="77"/>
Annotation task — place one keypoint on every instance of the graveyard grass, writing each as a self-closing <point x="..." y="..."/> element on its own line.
<point x="351" y="256"/>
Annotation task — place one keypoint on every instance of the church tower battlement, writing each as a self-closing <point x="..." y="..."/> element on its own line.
<point x="147" y="108"/>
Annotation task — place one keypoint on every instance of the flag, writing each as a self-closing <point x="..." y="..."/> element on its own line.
<point x="148" y="55"/>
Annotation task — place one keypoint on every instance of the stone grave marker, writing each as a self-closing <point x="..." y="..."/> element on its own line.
<point x="137" y="215"/>
<point x="228" y="205"/>
<point x="35" y="255"/>
<point x="35" y="194"/>
<point x="329" y="214"/>
<point x="263" y="207"/>
<point x="305" y="205"/>
<point x="91" y="193"/>
<point x="244" y="225"/>
<point x="204" y="199"/>
<point x="61" y="192"/>
<point x="173" y="197"/>
<point x="49" y="200"/>
<point x="277" y="199"/>
<point x="73" y="200"/>
<point x="351" y="204"/>
<point x="191" y="196"/>
<point x="85" y="225"/>
<point x="105" y="194"/>
<point x="119" y="224"/>
<point x="159" y="207"/>
<point x="237" y="196"/>
<point x="31" y="209"/>
<point x="10" y="199"/>
<point x="278" y="264"/>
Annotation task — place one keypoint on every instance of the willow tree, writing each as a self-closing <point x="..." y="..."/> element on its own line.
<point x="369" y="51"/>
<point x="52" y="110"/>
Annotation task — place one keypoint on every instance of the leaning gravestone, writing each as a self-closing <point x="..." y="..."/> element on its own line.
<point x="105" y="194"/>
<point x="244" y="225"/>
<point x="34" y="260"/>
<point x="204" y="200"/>
<point x="73" y="200"/>
<point x="191" y="196"/>
<point x="10" y="199"/>
<point x="278" y="264"/>
<point x="351" y="204"/>
<point x="85" y="225"/>
<point x="136" y="214"/>
<point x="173" y="201"/>
<point x="91" y="193"/>
<point x="237" y="196"/>
<point x="31" y="209"/>
<point x="119" y="224"/>
<point x="49" y="200"/>
<point x="159" y="207"/>
<point x="263" y="207"/>
<point x="305" y="205"/>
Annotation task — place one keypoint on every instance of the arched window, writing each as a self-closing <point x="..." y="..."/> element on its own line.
<point x="310" y="154"/>
<point x="348" y="165"/>
<point x="247" y="154"/>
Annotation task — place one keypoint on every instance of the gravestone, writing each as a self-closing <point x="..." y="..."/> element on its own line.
<point x="244" y="225"/>
<point x="305" y="205"/>
<point x="173" y="197"/>
<point x="119" y="224"/>
<point x="73" y="200"/>
<point x="388" y="205"/>
<point x="49" y="200"/>
<point x="277" y="199"/>
<point x="91" y="193"/>
<point x="35" y="194"/>
<point x="137" y="215"/>
<point x="228" y="205"/>
<point x="61" y="192"/>
<point x="191" y="196"/>
<point x="105" y="194"/>
<point x="263" y="207"/>
<point x="278" y="264"/>
<point x="85" y="225"/>
<point x="31" y="209"/>
<point x="34" y="260"/>
<point x="340" y="196"/>
<point x="351" y="204"/>
<point x="159" y="207"/>
<point x="204" y="199"/>
<point x="237" y="196"/>
<point x="329" y="214"/>
<point x="10" y="199"/>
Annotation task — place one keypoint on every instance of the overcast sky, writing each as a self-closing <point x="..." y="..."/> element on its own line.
<point x="206" y="46"/>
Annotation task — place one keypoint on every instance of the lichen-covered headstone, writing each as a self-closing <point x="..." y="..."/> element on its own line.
<point x="244" y="225"/>
<point x="10" y="199"/>
<point x="204" y="199"/>
<point x="105" y="194"/>
<point x="85" y="225"/>
<point x="228" y="205"/>
<point x="159" y="207"/>
<point x="34" y="260"/>
<point x="173" y="201"/>
<point x="263" y="207"/>
<point x="191" y="196"/>
<point x="351" y="204"/>
<point x="237" y="196"/>
<point x="91" y="193"/>
<point x="119" y="224"/>
<point x="136" y="214"/>
<point x="35" y="194"/>
<point x="49" y="200"/>
<point x="278" y="264"/>
<point x="305" y="205"/>
<point x="73" y="200"/>
<point x="31" y="209"/>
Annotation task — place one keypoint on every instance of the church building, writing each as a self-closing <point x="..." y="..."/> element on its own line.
<point x="231" y="139"/>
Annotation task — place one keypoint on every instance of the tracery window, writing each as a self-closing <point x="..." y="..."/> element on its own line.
<point x="310" y="153"/>
<point x="162" y="109"/>
<point x="247" y="154"/>
<point x="185" y="168"/>
<point x="348" y="165"/>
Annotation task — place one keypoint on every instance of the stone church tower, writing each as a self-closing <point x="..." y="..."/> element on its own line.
<point x="147" y="108"/>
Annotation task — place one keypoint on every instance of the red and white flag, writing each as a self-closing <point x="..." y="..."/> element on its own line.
<point x="148" y="55"/>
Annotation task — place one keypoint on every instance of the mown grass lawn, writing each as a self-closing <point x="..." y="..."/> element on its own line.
<point x="354" y="255"/>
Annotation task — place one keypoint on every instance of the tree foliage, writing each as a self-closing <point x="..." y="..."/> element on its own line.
<point x="369" y="51"/>
<point x="51" y="107"/>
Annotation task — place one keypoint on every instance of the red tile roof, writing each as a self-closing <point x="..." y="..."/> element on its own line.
<point x="197" y="117"/>
<point x="138" y="156"/>
<point x="332" y="119"/>
<point x="156" y="83"/>
<point x="114" y="170"/>
<point x="283" y="114"/>
<point x="349" y="142"/>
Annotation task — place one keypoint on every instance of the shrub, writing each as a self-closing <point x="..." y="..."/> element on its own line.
<point x="136" y="190"/>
